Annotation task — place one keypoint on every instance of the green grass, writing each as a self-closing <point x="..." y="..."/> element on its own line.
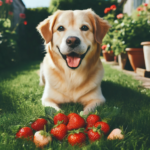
<point x="20" y="102"/>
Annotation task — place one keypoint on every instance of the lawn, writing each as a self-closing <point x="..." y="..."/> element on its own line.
<point x="127" y="104"/>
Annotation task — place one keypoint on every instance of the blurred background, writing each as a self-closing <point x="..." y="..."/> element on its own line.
<point x="19" y="40"/>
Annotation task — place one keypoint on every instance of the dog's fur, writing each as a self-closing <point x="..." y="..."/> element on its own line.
<point x="64" y="84"/>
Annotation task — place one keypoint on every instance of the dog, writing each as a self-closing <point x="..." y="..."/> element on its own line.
<point x="72" y="70"/>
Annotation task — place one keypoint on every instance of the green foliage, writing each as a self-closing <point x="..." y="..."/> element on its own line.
<point x="129" y="33"/>
<point x="30" y="42"/>
<point x="8" y="38"/>
<point x="97" y="5"/>
<point x="8" y="44"/>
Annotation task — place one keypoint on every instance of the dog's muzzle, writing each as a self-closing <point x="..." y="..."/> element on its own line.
<point x="73" y="59"/>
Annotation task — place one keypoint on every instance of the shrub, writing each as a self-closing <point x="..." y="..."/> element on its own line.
<point x="97" y="5"/>
<point x="129" y="33"/>
<point x="30" y="41"/>
<point x="8" y="37"/>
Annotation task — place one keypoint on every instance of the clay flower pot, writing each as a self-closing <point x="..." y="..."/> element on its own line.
<point x="136" y="57"/>
<point x="122" y="59"/>
<point x="108" y="55"/>
<point x="116" y="59"/>
<point x="146" y="49"/>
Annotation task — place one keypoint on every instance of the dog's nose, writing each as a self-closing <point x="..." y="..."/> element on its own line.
<point x="73" y="41"/>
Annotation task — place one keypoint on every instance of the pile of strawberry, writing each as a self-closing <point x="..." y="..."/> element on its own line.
<point x="73" y="127"/>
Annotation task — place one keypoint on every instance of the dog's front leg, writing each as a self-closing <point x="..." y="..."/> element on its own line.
<point x="91" y="105"/>
<point x="49" y="102"/>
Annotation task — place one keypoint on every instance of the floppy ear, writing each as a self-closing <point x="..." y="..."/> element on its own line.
<point x="44" y="30"/>
<point x="101" y="27"/>
<point x="45" y="27"/>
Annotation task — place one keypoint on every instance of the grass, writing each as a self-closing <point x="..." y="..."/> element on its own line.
<point x="20" y="102"/>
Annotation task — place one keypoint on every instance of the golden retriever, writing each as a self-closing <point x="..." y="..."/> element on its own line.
<point x="72" y="70"/>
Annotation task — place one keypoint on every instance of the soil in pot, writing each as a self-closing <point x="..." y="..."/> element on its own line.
<point x="108" y="55"/>
<point x="136" y="57"/>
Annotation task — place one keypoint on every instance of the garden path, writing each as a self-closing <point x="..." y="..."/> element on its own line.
<point x="145" y="81"/>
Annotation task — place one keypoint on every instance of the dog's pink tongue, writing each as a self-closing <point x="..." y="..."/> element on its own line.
<point x="73" y="61"/>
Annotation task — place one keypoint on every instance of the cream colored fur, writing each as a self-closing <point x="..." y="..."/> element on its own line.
<point x="63" y="84"/>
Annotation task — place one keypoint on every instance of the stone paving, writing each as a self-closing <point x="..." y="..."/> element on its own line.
<point x="145" y="81"/>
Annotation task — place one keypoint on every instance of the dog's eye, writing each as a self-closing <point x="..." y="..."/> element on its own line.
<point x="84" y="28"/>
<point x="61" y="28"/>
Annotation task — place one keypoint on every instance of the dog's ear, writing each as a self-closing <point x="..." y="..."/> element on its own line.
<point x="45" y="27"/>
<point x="101" y="26"/>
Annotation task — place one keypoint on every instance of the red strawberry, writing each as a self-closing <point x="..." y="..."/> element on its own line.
<point x="94" y="134"/>
<point x="88" y="126"/>
<point x="76" y="138"/>
<point x="25" y="132"/>
<point x="61" y="117"/>
<point x="71" y="114"/>
<point x="59" y="131"/>
<point x="39" y="124"/>
<point x="92" y="119"/>
<point x="75" y="122"/>
<point x="104" y="126"/>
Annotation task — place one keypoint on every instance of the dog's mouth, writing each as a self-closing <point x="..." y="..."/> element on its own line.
<point x="73" y="59"/>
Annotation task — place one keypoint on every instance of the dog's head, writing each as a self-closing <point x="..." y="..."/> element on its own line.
<point x="74" y="34"/>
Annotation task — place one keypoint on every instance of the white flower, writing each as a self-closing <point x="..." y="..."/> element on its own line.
<point x="108" y="45"/>
<point x="116" y="21"/>
<point x="123" y="42"/>
<point x="122" y="24"/>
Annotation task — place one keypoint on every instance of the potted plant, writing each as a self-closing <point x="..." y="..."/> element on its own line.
<point x="107" y="53"/>
<point x="131" y="33"/>
<point x="108" y="39"/>
<point x="136" y="31"/>
<point x="118" y="45"/>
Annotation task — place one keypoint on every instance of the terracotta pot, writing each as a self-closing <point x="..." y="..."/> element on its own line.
<point x="146" y="48"/>
<point x="108" y="55"/>
<point x="116" y="59"/>
<point x="122" y="59"/>
<point x="136" y="57"/>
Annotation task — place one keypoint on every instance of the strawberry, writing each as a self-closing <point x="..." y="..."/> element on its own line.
<point x="61" y="117"/>
<point x="94" y="133"/>
<point x="59" y="131"/>
<point x="91" y="120"/>
<point x="41" y="138"/>
<point x="76" y="137"/>
<point x="75" y="122"/>
<point x="116" y="134"/>
<point x="39" y="124"/>
<point x="71" y="114"/>
<point x="104" y="126"/>
<point x="25" y="132"/>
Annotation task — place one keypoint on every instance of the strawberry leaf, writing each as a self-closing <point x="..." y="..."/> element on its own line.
<point x="50" y="111"/>
<point x="76" y="131"/>
<point x="82" y="115"/>
<point x="49" y="125"/>
<point x="60" y="111"/>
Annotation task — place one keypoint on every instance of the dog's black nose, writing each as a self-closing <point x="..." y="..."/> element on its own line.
<point x="73" y="41"/>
